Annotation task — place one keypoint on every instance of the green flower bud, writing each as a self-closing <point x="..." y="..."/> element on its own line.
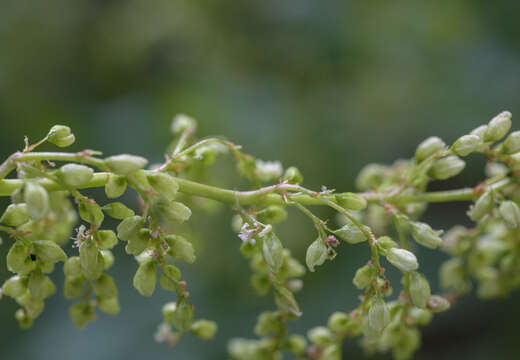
<point x="33" y="306"/>
<point x="91" y="212"/>
<point x="15" y="286"/>
<point x="163" y="184"/>
<point x="466" y="144"/>
<point x="317" y="253"/>
<point x="370" y="177"/>
<point x="118" y="210"/>
<point x="129" y="228"/>
<point x="182" y="123"/>
<point x="37" y="200"/>
<point x="385" y="243"/>
<point x="364" y="276"/>
<point x="145" y="278"/>
<point x="429" y="147"/>
<point x="510" y="213"/>
<point x="18" y="259"/>
<point x="512" y="143"/>
<point x="350" y="233"/>
<point x="338" y="322"/>
<point x="273" y="214"/>
<point x="174" y="211"/>
<point x="451" y="274"/>
<point x="494" y="169"/>
<point x="285" y="301"/>
<point x="402" y="259"/>
<point x="204" y="329"/>
<point x="425" y="235"/>
<point x="351" y="201"/>
<point x="261" y="283"/>
<point x="81" y="314"/>
<point x="483" y="206"/>
<point x="61" y="136"/>
<point x="272" y="250"/>
<point x="419" y="290"/>
<point x="40" y="286"/>
<point x="115" y="186"/>
<point x="498" y="127"/>
<point x="76" y="175"/>
<point x="105" y="286"/>
<point x="73" y="287"/>
<point x="447" y="167"/>
<point x="24" y="320"/>
<point x="15" y="215"/>
<point x="49" y="251"/>
<point x="331" y="352"/>
<point x="296" y="344"/>
<point x="421" y="317"/>
<point x="268" y="322"/>
<point x="91" y="260"/>
<point x="106" y="239"/>
<point x="479" y="131"/>
<point x="170" y="278"/>
<point x="438" y="304"/>
<point x="378" y="315"/>
<point x="108" y="259"/>
<point x="182" y="318"/>
<point x="109" y="305"/>
<point x="180" y="248"/>
<point x="125" y="164"/>
<point x="293" y="176"/>
<point x="320" y="336"/>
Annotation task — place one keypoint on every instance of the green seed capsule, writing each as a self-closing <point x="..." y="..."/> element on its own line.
<point x="115" y="186"/>
<point x="40" y="286"/>
<point x="285" y="301"/>
<point x="170" y="278"/>
<point x="419" y="290"/>
<point x="351" y="201"/>
<point x="91" y="212"/>
<point x="447" y="167"/>
<point x="293" y="176"/>
<point x="24" y="320"/>
<point x="466" y="144"/>
<point x="512" y="143"/>
<point x="49" y="251"/>
<point x="33" y="307"/>
<point x="182" y="318"/>
<point x="76" y="175"/>
<point x="451" y="274"/>
<point x="106" y="239"/>
<point x="174" y="211"/>
<point x="339" y="322"/>
<point x="510" y="213"/>
<point x="273" y="214"/>
<point x="272" y="250"/>
<point x="37" y="200"/>
<point x="204" y="329"/>
<point x="129" y="228"/>
<point x="320" y="336"/>
<point x="429" y="147"/>
<point x="91" y="260"/>
<point x="180" y="248"/>
<point x="425" y="235"/>
<point x="498" y="127"/>
<point x="109" y="305"/>
<point x="118" y="210"/>
<point x="385" y="243"/>
<point x="370" y="177"/>
<point x="73" y="287"/>
<point x="364" y="276"/>
<point x="15" y="286"/>
<point x="438" y="304"/>
<point x="421" y="317"/>
<point x="108" y="259"/>
<point x="163" y="184"/>
<point x="125" y="164"/>
<point x="61" y="136"/>
<point x="15" y="215"/>
<point x="378" y="315"/>
<point x="296" y="344"/>
<point x="18" y="260"/>
<point x="182" y="123"/>
<point x="483" y="206"/>
<point x="81" y="314"/>
<point x="350" y="233"/>
<point x="145" y="278"/>
<point x="317" y="253"/>
<point x="479" y="131"/>
<point x="268" y="322"/>
<point x="105" y="286"/>
<point x="402" y="259"/>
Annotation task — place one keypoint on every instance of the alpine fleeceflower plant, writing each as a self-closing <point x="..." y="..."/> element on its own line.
<point x="48" y="209"/>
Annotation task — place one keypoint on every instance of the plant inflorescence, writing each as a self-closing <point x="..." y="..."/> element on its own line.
<point x="47" y="198"/>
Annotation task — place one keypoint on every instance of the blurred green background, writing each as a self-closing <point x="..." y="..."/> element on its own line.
<point x="327" y="86"/>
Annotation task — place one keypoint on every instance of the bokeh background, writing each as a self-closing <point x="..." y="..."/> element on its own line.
<point x="324" y="85"/>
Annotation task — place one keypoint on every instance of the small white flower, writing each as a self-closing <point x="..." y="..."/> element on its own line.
<point x="163" y="333"/>
<point x="246" y="234"/>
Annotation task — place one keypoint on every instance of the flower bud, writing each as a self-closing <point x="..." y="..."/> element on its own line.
<point x="37" y="200"/>
<point x="40" y="286"/>
<point x="91" y="260"/>
<point x="182" y="123"/>
<point x="510" y="213"/>
<point x="105" y="286"/>
<point x="115" y="186"/>
<point x="447" y="167"/>
<point x="109" y="305"/>
<point x="364" y="276"/>
<point x="18" y="259"/>
<point x="370" y="177"/>
<point x="466" y="144"/>
<point x="163" y="184"/>
<point x="317" y="253"/>
<point x="498" y="127"/>
<point x="129" y="228"/>
<point x="170" y="277"/>
<point x="182" y="317"/>
<point x="108" y="258"/>
<point x="174" y="211"/>
<point x="49" y="251"/>
<point x="272" y="250"/>
<point x="320" y="336"/>
<point x="24" y="320"/>
<point x="429" y="147"/>
<point x="483" y="206"/>
<point x="180" y="248"/>
<point x="402" y="259"/>
<point x="479" y="131"/>
<point x="118" y="210"/>
<point x="90" y="212"/>
<point x="125" y="164"/>
<point x="385" y="243"/>
<point x="273" y="214"/>
<point x="425" y="235"/>
<point x="451" y="274"/>
<point x="293" y="176"/>
<point x="15" y="215"/>
<point x="145" y="278"/>
<point x="338" y="322"/>
<point x="296" y="344"/>
<point x="15" y="286"/>
<point x="378" y="315"/>
<point x="269" y="322"/>
<point x="421" y="317"/>
<point x="81" y="314"/>
<point x="61" y="136"/>
<point x="76" y="175"/>
<point x="438" y="304"/>
<point x="419" y="289"/>
<point x="168" y="310"/>
<point x="351" y="201"/>
<point x="73" y="287"/>
<point x="204" y="329"/>
<point x="268" y="170"/>
<point x="350" y="233"/>
<point x="512" y="144"/>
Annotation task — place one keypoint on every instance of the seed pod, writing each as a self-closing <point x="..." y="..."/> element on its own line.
<point x="18" y="260"/>
<point x="378" y="315"/>
<point x="351" y="201"/>
<point x="170" y="278"/>
<point x="182" y="123"/>
<point x="91" y="260"/>
<point x="73" y="287"/>
<point x="105" y="286"/>
<point x="285" y="301"/>
<point x="402" y="259"/>
<point x="498" y="127"/>
<point x="76" y="175"/>
<point x="483" y="206"/>
<point x="438" y="304"/>
<point x="466" y="144"/>
<point x="338" y="322"/>
<point x="61" y="136"/>
<point x="15" y="215"/>
<point x="293" y="176"/>
<point x="451" y="274"/>
<point x="81" y="314"/>
<point x="350" y="233"/>
<point x="479" y="131"/>
<point x="204" y="329"/>
<point x="180" y="248"/>
<point x="447" y="167"/>
<point x="510" y="213"/>
<point x="40" y="286"/>
<point x="182" y="318"/>
<point x="72" y="266"/>
<point x="429" y="147"/>
<point x="107" y="239"/>
<point x="425" y="235"/>
<point x="137" y="244"/>
<point x="115" y="186"/>
<point x="385" y="243"/>
<point x="49" y="251"/>
<point x="320" y="336"/>
<point x="91" y="212"/>
<point x="108" y="259"/>
<point x="118" y="210"/>
<point x="268" y="322"/>
<point x="37" y="200"/>
<point x="129" y="228"/>
<point x="273" y="214"/>
<point x="421" y="317"/>
<point x="370" y="177"/>
<point x="419" y="289"/>
<point x="15" y="286"/>
<point x="145" y="278"/>
<point x="109" y="305"/>
<point x="272" y="250"/>
<point x="163" y="184"/>
<point x="317" y="253"/>
<point x="364" y="276"/>
<point x="296" y="344"/>
<point x="174" y="211"/>
<point x="125" y="164"/>
<point x="32" y="306"/>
